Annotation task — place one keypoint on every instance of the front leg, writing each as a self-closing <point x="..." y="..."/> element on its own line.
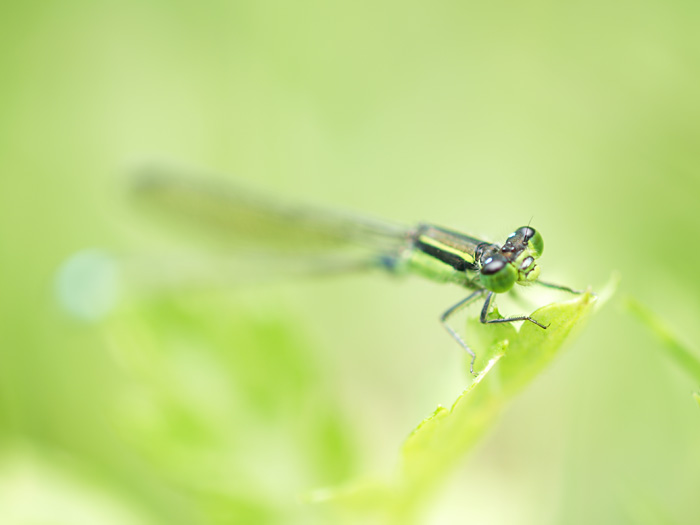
<point x="487" y="306"/>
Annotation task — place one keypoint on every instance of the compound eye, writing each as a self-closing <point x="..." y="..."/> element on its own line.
<point x="492" y="266"/>
<point x="497" y="275"/>
<point x="526" y="232"/>
<point x="532" y="239"/>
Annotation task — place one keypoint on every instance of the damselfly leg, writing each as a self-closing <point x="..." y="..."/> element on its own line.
<point x="482" y="318"/>
<point x="559" y="287"/>
<point x="485" y="311"/>
<point x="453" y="310"/>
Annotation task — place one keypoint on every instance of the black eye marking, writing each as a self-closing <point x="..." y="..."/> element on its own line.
<point x="527" y="233"/>
<point x="492" y="266"/>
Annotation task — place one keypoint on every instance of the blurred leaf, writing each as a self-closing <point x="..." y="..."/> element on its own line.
<point x="642" y="506"/>
<point x="676" y="350"/>
<point x="227" y="407"/>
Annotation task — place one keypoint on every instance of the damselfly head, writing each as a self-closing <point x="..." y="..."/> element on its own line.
<point x="496" y="272"/>
<point x="514" y="262"/>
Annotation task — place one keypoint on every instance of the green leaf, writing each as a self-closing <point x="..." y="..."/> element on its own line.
<point x="514" y="359"/>
<point x="508" y="359"/>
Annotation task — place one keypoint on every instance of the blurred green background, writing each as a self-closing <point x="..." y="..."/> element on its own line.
<point x="223" y="407"/>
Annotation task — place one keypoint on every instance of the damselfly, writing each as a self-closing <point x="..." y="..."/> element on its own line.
<point x="436" y="253"/>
